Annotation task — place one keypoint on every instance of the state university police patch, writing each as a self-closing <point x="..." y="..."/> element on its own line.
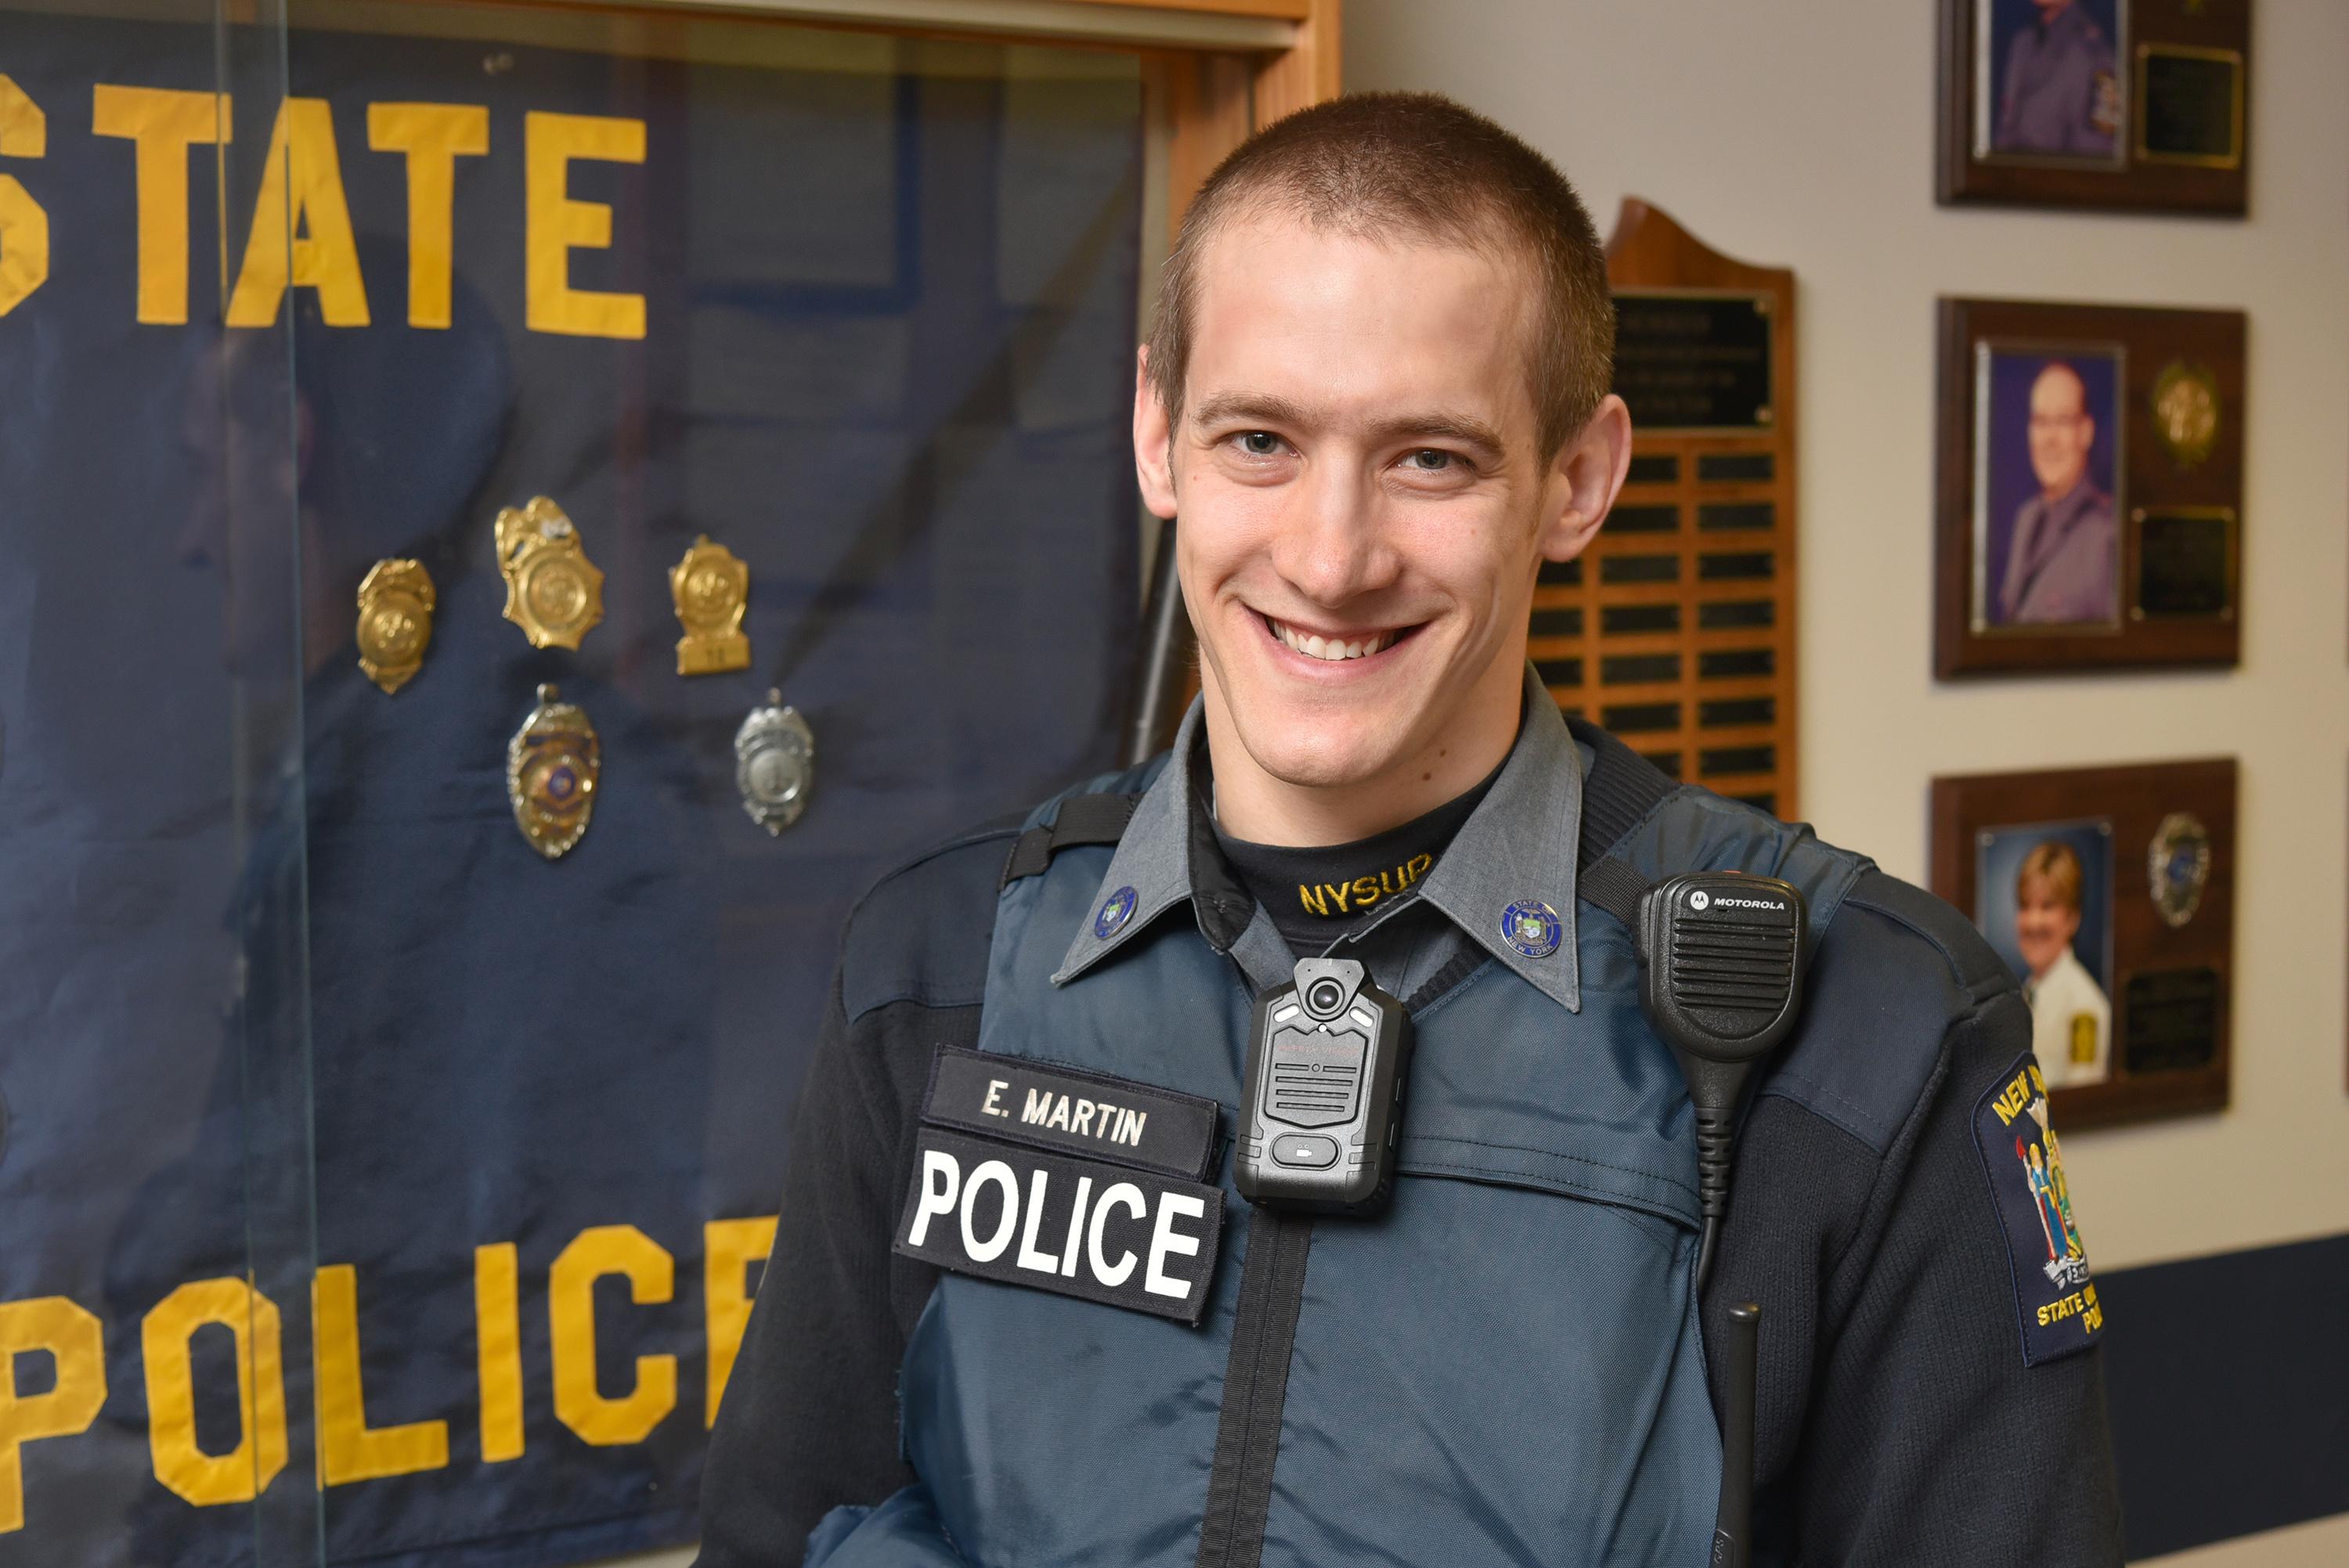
<point x="2053" y="1290"/>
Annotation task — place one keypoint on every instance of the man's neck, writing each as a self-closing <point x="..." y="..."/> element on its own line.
<point x="1253" y="805"/>
<point x="2055" y="498"/>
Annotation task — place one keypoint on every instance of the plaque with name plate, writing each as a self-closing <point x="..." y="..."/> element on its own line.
<point x="2110" y="893"/>
<point x="1675" y="629"/>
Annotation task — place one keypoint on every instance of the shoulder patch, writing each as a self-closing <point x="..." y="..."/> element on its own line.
<point x="2054" y="1294"/>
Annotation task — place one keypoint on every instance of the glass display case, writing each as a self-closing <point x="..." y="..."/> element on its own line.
<point x="513" y="517"/>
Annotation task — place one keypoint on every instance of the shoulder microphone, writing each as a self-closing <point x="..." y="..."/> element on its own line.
<point x="1722" y="955"/>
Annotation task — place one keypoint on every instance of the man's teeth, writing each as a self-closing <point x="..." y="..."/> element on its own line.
<point x="1332" y="649"/>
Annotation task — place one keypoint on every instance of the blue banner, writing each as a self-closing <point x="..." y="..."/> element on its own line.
<point x="366" y="1176"/>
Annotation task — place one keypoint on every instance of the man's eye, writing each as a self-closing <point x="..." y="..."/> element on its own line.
<point x="1429" y="460"/>
<point x="1260" y="444"/>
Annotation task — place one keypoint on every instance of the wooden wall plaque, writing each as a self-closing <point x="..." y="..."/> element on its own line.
<point x="1675" y="630"/>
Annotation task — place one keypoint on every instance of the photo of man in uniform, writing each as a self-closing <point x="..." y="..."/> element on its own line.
<point x="2055" y="91"/>
<point x="2057" y="563"/>
<point x="2053" y="932"/>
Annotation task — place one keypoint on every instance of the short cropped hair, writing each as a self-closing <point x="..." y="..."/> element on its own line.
<point x="2055" y="864"/>
<point x="1414" y="166"/>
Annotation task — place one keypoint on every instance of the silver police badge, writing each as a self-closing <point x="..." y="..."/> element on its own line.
<point x="2177" y="864"/>
<point x="774" y="763"/>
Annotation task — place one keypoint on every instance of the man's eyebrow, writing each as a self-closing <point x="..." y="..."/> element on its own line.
<point x="1227" y="407"/>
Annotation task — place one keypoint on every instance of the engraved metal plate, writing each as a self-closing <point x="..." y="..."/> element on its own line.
<point x="774" y="764"/>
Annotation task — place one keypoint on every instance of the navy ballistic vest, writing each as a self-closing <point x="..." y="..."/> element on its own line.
<point x="1506" y="1368"/>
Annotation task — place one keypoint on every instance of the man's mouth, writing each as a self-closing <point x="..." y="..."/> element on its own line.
<point x="1335" y="648"/>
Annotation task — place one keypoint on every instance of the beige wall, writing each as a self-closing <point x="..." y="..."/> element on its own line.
<point x="1802" y="135"/>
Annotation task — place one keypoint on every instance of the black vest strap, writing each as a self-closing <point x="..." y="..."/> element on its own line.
<point x="1082" y="819"/>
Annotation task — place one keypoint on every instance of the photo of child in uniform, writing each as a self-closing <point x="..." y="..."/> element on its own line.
<point x="2050" y="539"/>
<point x="2045" y="905"/>
<point x="2054" y="88"/>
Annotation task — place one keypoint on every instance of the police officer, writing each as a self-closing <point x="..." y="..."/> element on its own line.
<point x="2062" y="562"/>
<point x="1018" y="1311"/>
<point x="2058" y="93"/>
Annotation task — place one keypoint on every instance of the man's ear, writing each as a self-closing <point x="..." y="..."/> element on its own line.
<point x="1584" y="477"/>
<point x="1153" y="439"/>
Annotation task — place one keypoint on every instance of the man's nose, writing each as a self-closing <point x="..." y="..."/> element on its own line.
<point x="1330" y="547"/>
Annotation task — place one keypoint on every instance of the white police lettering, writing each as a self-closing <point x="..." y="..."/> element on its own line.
<point x="1118" y="1124"/>
<point x="995" y="1087"/>
<point x="1081" y="1227"/>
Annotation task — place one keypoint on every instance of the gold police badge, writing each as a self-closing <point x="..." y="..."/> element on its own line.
<point x="551" y="765"/>
<point x="2177" y="865"/>
<point x="774" y="764"/>
<point x="553" y="593"/>
<point x="710" y="586"/>
<point x="395" y="601"/>
<point x="2186" y="411"/>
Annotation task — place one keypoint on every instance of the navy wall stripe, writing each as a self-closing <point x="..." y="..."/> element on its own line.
<point x="2229" y="1384"/>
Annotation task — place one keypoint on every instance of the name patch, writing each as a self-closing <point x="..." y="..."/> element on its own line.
<point x="2053" y="1289"/>
<point x="1072" y="1112"/>
<point x="1085" y="1228"/>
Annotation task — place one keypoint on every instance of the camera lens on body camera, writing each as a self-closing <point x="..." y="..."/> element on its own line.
<point x="1324" y="997"/>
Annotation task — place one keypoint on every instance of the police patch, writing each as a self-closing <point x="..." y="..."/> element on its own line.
<point x="1084" y="1228"/>
<point x="1072" y="1112"/>
<point x="2053" y="1290"/>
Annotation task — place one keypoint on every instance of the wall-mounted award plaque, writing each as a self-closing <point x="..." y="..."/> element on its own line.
<point x="2139" y="104"/>
<point x="1675" y="629"/>
<point x="2110" y="891"/>
<point x="2090" y="483"/>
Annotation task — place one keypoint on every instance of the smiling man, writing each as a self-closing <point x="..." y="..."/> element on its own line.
<point x="1019" y="1311"/>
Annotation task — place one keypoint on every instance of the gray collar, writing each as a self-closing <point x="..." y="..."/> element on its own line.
<point x="1510" y="871"/>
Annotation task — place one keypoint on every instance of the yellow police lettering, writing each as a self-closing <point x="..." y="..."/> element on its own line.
<point x="2013" y="1098"/>
<point x="651" y="1273"/>
<point x="301" y="235"/>
<point x="161" y="123"/>
<point x="24" y="223"/>
<point x="245" y="1471"/>
<point x="729" y="1248"/>
<point x="554" y="225"/>
<point x="433" y="136"/>
<point x="348" y="1448"/>
<point x="497" y="1336"/>
<point x="75" y="1343"/>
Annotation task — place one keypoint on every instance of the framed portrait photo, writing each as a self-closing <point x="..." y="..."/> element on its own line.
<point x="2090" y="464"/>
<point x="2134" y="104"/>
<point x="2108" y="892"/>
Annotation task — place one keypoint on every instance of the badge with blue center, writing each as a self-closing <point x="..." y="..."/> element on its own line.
<point x="552" y="764"/>
<point x="1532" y="927"/>
<point x="1115" y="911"/>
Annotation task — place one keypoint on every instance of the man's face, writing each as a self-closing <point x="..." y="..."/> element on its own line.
<point x="2043" y="924"/>
<point x="2061" y="430"/>
<point x="1362" y="500"/>
<point x="2051" y="9"/>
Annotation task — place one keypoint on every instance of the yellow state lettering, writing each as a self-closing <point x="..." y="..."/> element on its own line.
<point x="651" y="1275"/>
<point x="161" y="124"/>
<point x="1311" y="899"/>
<point x="497" y="1331"/>
<point x="23" y="222"/>
<point x="76" y="1344"/>
<point x="2013" y="1098"/>
<point x="348" y="1448"/>
<point x="1366" y="892"/>
<point x="301" y="235"/>
<point x="1418" y="865"/>
<point x="729" y="1248"/>
<point x="1337" y="894"/>
<point x="554" y="225"/>
<point x="433" y="136"/>
<point x="245" y="1471"/>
